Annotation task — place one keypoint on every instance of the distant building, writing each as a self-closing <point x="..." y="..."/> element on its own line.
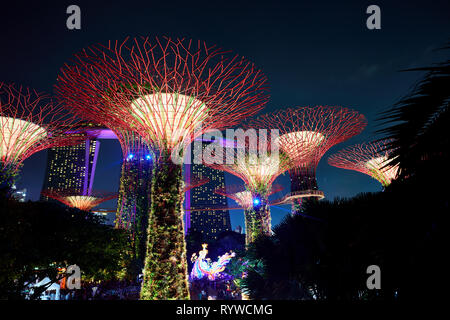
<point x="208" y="222"/>
<point x="71" y="167"/>
<point x="19" y="195"/>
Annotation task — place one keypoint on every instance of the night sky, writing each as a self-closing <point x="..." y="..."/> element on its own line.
<point x="313" y="52"/>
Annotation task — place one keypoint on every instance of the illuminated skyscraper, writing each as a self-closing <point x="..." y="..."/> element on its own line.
<point x="71" y="167"/>
<point x="209" y="222"/>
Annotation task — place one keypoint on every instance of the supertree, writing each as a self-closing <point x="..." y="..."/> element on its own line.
<point x="29" y="123"/>
<point x="368" y="158"/>
<point x="306" y="133"/>
<point x="242" y="196"/>
<point x="83" y="202"/>
<point x="258" y="165"/>
<point x="169" y="92"/>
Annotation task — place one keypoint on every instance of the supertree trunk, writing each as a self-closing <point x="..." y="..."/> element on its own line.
<point x="133" y="205"/>
<point x="165" y="270"/>
<point x="297" y="206"/>
<point x="125" y="204"/>
<point x="248" y="215"/>
<point x="306" y="134"/>
<point x="29" y="123"/>
<point x="257" y="220"/>
<point x="302" y="180"/>
<point x="162" y="89"/>
<point x="370" y="158"/>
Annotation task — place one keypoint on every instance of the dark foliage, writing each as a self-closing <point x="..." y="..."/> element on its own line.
<point x="403" y="230"/>
<point x="194" y="241"/>
<point x="226" y="241"/>
<point x="36" y="238"/>
<point x="418" y="123"/>
<point x="328" y="260"/>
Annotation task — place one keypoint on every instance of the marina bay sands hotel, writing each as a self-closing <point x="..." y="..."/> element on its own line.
<point x="73" y="168"/>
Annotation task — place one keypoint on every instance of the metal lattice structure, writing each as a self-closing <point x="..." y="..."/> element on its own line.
<point x="306" y="133"/>
<point x="256" y="209"/>
<point x="134" y="198"/>
<point x="162" y="89"/>
<point x="133" y="201"/>
<point x="258" y="169"/>
<point x="242" y="196"/>
<point x="369" y="158"/>
<point x="256" y="160"/>
<point x="29" y="123"/>
<point x="169" y="92"/>
<point x="135" y="182"/>
<point x="239" y="194"/>
<point x="83" y="202"/>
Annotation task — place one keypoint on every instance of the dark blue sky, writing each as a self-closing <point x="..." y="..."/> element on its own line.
<point x="313" y="52"/>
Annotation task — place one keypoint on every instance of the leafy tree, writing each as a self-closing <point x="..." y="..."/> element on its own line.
<point x="37" y="238"/>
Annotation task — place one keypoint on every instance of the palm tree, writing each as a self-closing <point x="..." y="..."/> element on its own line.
<point x="418" y="123"/>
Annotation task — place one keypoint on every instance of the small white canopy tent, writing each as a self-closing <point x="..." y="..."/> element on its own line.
<point x="51" y="293"/>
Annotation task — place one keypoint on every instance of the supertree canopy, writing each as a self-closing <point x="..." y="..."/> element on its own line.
<point x="306" y="133"/>
<point x="169" y="92"/>
<point x="75" y="200"/>
<point x="254" y="224"/>
<point x="29" y="122"/>
<point x="368" y="158"/>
